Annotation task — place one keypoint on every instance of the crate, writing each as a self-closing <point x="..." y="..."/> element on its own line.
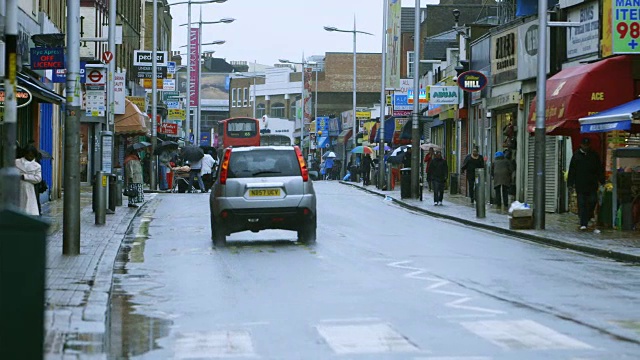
<point x="521" y="223"/>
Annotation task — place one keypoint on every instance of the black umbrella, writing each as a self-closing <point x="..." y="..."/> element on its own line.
<point x="192" y="153"/>
<point x="397" y="155"/>
<point x="45" y="155"/>
<point x="166" y="146"/>
<point x="139" y="145"/>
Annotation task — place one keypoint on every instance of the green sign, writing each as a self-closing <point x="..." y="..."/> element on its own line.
<point x="626" y="27"/>
<point x="169" y="95"/>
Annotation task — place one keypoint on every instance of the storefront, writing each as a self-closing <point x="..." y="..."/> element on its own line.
<point x="131" y="127"/>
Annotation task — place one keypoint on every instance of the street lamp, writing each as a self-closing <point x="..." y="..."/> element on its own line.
<point x="354" y="32"/>
<point x="302" y="64"/>
<point x="190" y="2"/>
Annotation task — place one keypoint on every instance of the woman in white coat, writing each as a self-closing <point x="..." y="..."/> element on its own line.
<point x="30" y="174"/>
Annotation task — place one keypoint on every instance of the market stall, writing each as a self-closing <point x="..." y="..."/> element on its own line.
<point x="626" y="188"/>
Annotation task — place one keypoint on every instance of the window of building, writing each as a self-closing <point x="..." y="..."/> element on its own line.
<point x="292" y="110"/>
<point x="277" y="110"/>
<point x="245" y="102"/>
<point x="410" y="60"/>
<point x="260" y="111"/>
<point x="233" y="97"/>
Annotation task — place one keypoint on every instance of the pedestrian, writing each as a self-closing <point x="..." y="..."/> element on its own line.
<point x="472" y="162"/>
<point x="30" y="175"/>
<point x="366" y="170"/>
<point x="406" y="159"/>
<point x="42" y="186"/>
<point x="194" y="172"/>
<point x="438" y="170"/>
<point x="133" y="178"/>
<point x="585" y="175"/>
<point x="208" y="165"/>
<point x="328" y="168"/>
<point x="164" y="168"/>
<point x="427" y="160"/>
<point x="501" y="171"/>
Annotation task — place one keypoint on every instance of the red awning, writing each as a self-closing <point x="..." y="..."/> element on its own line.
<point x="584" y="90"/>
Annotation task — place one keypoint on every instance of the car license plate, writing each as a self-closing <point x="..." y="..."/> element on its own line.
<point x="264" y="192"/>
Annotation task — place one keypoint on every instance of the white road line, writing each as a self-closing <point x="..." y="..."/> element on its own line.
<point x="523" y="334"/>
<point x="453" y="358"/>
<point x="214" y="344"/>
<point x="351" y="320"/>
<point x="365" y="339"/>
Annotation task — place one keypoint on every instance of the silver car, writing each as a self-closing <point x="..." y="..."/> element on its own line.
<point x="263" y="187"/>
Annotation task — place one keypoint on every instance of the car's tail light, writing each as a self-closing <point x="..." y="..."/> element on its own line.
<point x="224" y="168"/>
<point x="303" y="166"/>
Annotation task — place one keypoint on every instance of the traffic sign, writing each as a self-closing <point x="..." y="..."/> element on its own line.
<point x="107" y="56"/>
<point x="95" y="76"/>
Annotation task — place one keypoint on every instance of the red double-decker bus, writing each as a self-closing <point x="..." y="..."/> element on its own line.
<point x="239" y="131"/>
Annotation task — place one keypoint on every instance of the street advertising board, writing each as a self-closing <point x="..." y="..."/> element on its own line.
<point x="145" y="57"/>
<point x="176" y="114"/>
<point x="168" y="84"/>
<point x="95" y="94"/>
<point x="422" y="97"/>
<point x="171" y="69"/>
<point x="60" y="75"/>
<point x="147" y="84"/>
<point x="43" y="58"/>
<point x="146" y="72"/>
<point x="443" y="95"/>
<point x="119" y="92"/>
<point x="401" y="103"/>
<point x="172" y="104"/>
<point x="194" y="61"/>
<point x="139" y="101"/>
<point x="402" y="112"/>
<point x="168" y="129"/>
<point x="170" y="95"/>
<point x="626" y="27"/>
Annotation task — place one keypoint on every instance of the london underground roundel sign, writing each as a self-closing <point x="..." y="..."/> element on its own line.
<point x="472" y="81"/>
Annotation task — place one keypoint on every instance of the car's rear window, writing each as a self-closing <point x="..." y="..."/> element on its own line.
<point x="263" y="163"/>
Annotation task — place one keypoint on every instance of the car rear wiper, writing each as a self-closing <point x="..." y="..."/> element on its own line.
<point x="266" y="172"/>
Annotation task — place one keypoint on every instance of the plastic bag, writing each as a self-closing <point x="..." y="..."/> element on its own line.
<point x="518" y="205"/>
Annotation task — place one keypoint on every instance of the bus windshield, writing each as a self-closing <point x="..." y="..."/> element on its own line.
<point x="241" y="128"/>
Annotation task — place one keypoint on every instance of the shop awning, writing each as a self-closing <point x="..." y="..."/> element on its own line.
<point x="616" y="118"/>
<point x="132" y="122"/>
<point x="389" y="129"/>
<point x="344" y="136"/>
<point x="39" y="90"/>
<point x="579" y="91"/>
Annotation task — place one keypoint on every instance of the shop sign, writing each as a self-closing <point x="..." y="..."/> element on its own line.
<point x="472" y="81"/>
<point x="23" y="96"/>
<point x="360" y="115"/>
<point x="43" y="58"/>
<point x="402" y="112"/>
<point x="168" y="129"/>
<point x="170" y="95"/>
<point x="583" y="39"/>
<point x="401" y="102"/>
<point x="528" y="42"/>
<point x="512" y="98"/>
<point x="400" y="123"/>
<point x="138" y="101"/>
<point x="145" y="57"/>
<point x="504" y="56"/>
<point x="119" y="90"/>
<point x="172" y="104"/>
<point x="443" y="95"/>
<point x="169" y="84"/>
<point x="60" y="75"/>
<point x="625" y="26"/>
<point x="146" y="72"/>
<point x="148" y="84"/>
<point x="176" y="114"/>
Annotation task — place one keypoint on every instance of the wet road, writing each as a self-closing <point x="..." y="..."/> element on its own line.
<point x="381" y="283"/>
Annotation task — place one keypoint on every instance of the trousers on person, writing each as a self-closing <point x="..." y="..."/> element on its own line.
<point x="586" y="206"/>
<point x="366" y="177"/>
<point x="164" y="184"/>
<point x="193" y="174"/>
<point x="438" y="190"/>
<point x="502" y="195"/>
<point x="471" y="185"/>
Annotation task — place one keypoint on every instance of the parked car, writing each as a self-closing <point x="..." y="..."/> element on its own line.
<point x="263" y="187"/>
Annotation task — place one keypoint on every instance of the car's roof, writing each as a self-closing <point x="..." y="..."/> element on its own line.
<point x="250" y="148"/>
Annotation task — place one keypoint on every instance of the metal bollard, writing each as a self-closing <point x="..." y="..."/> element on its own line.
<point x="101" y="198"/>
<point x="480" y="196"/>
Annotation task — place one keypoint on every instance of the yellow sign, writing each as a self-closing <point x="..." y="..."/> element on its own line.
<point x="148" y="84"/>
<point x="138" y="101"/>
<point x="176" y="114"/>
<point x="389" y="100"/>
<point x="104" y="181"/>
<point x="400" y="123"/>
<point x="363" y="115"/>
<point x="312" y="127"/>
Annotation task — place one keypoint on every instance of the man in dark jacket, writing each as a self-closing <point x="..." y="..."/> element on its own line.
<point x="472" y="162"/>
<point x="501" y="171"/>
<point x="366" y="170"/>
<point x="437" y="172"/>
<point x="585" y="174"/>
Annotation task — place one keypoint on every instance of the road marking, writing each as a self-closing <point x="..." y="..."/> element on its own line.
<point x="351" y="320"/>
<point x="437" y="283"/>
<point x="523" y="334"/>
<point x="365" y="339"/>
<point x="214" y="344"/>
<point x="453" y="358"/>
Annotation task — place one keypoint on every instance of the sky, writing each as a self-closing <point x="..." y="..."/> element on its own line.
<point x="268" y="30"/>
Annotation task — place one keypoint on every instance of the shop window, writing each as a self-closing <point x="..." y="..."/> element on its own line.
<point x="260" y="111"/>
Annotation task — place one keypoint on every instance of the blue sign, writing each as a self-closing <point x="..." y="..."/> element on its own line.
<point x="322" y="124"/>
<point x="60" y="75"/>
<point x="472" y="81"/>
<point x="400" y="100"/>
<point x="45" y="58"/>
<point x="323" y="142"/>
<point x="597" y="128"/>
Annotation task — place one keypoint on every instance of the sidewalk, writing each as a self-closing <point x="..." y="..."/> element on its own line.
<point x="561" y="230"/>
<point x="78" y="287"/>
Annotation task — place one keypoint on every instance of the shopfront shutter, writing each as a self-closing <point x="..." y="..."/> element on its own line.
<point x="551" y="172"/>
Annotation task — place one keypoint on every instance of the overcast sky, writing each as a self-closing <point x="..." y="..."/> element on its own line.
<point x="268" y="30"/>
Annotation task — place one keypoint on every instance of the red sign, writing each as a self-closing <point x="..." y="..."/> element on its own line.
<point x="168" y="129"/>
<point x="107" y="56"/>
<point x="95" y="76"/>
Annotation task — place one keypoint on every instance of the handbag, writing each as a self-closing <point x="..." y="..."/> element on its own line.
<point x="130" y="192"/>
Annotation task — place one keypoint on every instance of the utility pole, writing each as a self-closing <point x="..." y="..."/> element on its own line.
<point x="187" y="125"/>
<point x="415" y="133"/>
<point x="111" y="66"/>
<point x="9" y="174"/>
<point x="153" y="175"/>
<point x="383" y="97"/>
<point x="71" y="201"/>
<point x="539" y="195"/>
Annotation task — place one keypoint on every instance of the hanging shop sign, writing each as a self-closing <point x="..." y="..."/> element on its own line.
<point x="23" y="96"/>
<point x="443" y="95"/>
<point x="472" y="81"/>
<point x="145" y="57"/>
<point x="44" y="58"/>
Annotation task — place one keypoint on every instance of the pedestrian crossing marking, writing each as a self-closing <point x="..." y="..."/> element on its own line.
<point x="365" y="339"/>
<point x="522" y="334"/>
<point x="214" y="344"/>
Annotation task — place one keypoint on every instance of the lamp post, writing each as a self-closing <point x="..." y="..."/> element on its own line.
<point x="302" y="64"/>
<point x="354" y="32"/>
<point x="383" y="97"/>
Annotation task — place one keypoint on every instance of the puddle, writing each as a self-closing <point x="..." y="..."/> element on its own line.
<point x="629" y="325"/>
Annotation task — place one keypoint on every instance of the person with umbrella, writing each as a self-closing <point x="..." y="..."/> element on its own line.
<point x="194" y="156"/>
<point x="133" y="177"/>
<point x="366" y="169"/>
<point x="427" y="160"/>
